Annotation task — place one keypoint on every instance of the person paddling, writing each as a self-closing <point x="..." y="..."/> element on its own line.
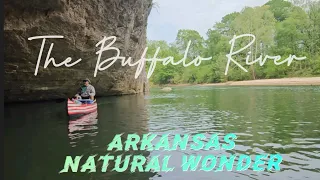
<point x="86" y="91"/>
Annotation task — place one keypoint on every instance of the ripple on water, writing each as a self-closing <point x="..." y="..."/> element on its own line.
<point x="265" y="119"/>
<point x="269" y="120"/>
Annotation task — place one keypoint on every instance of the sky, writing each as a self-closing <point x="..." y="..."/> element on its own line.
<point x="168" y="16"/>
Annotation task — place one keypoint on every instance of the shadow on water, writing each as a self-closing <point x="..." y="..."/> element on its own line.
<point x="38" y="137"/>
<point x="285" y="120"/>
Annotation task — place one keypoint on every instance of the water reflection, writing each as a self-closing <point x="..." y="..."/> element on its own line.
<point x="266" y="120"/>
<point x="91" y="134"/>
<point x="36" y="144"/>
<point x="121" y="115"/>
<point x="82" y="126"/>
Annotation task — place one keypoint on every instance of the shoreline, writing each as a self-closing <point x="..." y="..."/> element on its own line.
<point x="301" y="81"/>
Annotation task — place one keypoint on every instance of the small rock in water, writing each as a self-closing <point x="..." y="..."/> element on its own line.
<point x="166" y="89"/>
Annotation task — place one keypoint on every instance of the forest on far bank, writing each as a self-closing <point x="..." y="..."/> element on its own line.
<point x="281" y="28"/>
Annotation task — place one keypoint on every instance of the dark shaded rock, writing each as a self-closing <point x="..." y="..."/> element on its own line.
<point x="83" y="23"/>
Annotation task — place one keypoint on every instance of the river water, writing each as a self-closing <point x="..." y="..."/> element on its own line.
<point x="266" y="120"/>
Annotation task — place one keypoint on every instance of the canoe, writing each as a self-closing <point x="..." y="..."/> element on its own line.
<point x="81" y="108"/>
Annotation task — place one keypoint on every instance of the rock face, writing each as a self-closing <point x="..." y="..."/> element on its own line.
<point x="82" y="23"/>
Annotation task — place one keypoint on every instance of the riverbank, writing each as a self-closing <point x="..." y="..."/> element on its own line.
<point x="313" y="81"/>
<point x="309" y="81"/>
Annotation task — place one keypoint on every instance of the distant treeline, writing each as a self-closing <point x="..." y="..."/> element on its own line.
<point x="281" y="28"/>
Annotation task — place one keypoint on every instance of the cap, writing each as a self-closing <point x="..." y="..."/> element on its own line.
<point x="86" y="79"/>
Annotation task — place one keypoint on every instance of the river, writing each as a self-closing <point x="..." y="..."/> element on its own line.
<point x="285" y="120"/>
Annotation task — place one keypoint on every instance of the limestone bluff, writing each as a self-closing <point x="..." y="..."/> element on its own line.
<point x="83" y="24"/>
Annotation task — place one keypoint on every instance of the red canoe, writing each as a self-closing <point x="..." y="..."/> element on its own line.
<point x="74" y="108"/>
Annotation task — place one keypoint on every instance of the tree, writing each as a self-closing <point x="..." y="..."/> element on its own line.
<point x="196" y="46"/>
<point x="260" y="22"/>
<point x="163" y="74"/>
<point x="280" y="9"/>
<point x="280" y="28"/>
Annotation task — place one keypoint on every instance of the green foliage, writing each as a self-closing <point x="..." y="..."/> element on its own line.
<point x="280" y="27"/>
<point x="196" y="47"/>
<point x="280" y="9"/>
